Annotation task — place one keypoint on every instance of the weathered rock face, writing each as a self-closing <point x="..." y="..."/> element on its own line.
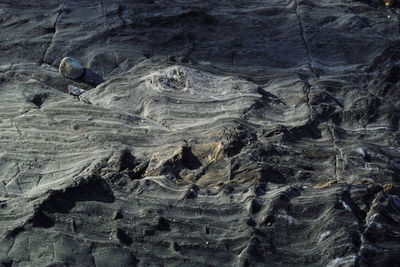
<point x="250" y="133"/>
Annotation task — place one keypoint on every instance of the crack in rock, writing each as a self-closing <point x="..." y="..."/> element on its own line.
<point x="54" y="30"/>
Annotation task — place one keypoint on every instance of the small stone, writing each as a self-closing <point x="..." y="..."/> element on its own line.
<point x="75" y="91"/>
<point x="70" y="68"/>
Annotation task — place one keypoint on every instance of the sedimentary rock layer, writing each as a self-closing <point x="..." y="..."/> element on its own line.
<point x="221" y="133"/>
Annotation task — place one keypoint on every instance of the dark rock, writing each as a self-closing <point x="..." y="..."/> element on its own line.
<point x="127" y="161"/>
<point x="113" y="257"/>
<point x="148" y="232"/>
<point x="176" y="246"/>
<point x="91" y="78"/>
<point x="162" y="225"/>
<point x="118" y="215"/>
<point x="251" y="223"/>
<point x="6" y="263"/>
<point x="38" y="99"/>
<point x="221" y="133"/>
<point x="192" y="193"/>
<point x="123" y="237"/>
<point x="255" y="206"/>
<point x="40" y="219"/>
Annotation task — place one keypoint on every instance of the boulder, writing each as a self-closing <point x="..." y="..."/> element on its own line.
<point x="71" y="68"/>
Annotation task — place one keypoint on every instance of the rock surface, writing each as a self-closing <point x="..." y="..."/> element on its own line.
<point x="75" y="91"/>
<point x="225" y="133"/>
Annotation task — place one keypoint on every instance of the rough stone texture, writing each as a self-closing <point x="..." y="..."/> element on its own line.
<point x="249" y="133"/>
<point x="75" y="91"/>
<point x="71" y="68"/>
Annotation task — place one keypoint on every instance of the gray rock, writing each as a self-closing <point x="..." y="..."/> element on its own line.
<point x="71" y="68"/>
<point x="227" y="133"/>
<point x="75" y="91"/>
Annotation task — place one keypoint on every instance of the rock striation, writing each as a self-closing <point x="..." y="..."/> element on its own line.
<point x="210" y="133"/>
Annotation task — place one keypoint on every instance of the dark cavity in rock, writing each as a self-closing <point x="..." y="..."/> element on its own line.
<point x="39" y="99"/>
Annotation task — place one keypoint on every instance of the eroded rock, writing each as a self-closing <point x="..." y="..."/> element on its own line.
<point x="227" y="133"/>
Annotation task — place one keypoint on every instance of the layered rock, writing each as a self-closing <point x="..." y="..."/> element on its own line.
<point x="246" y="133"/>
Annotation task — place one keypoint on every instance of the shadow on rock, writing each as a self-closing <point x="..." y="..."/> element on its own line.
<point x="92" y="189"/>
<point x="91" y="78"/>
<point x="72" y="69"/>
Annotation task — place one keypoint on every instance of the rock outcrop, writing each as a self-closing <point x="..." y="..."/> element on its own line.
<point x="211" y="133"/>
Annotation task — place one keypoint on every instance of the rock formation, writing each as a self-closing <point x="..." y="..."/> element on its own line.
<point x="211" y="133"/>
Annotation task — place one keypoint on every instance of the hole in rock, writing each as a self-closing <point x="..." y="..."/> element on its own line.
<point x="39" y="99"/>
<point x="127" y="160"/>
<point x="40" y="219"/>
<point x="189" y="160"/>
<point x="93" y="189"/>
<point x="123" y="237"/>
<point x="163" y="224"/>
